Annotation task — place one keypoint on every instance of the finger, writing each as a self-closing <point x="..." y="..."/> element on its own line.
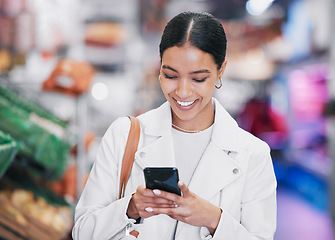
<point x="184" y="189"/>
<point x="164" y="205"/>
<point x="158" y="205"/>
<point x="166" y="195"/>
<point x="151" y="210"/>
<point x="145" y="191"/>
<point x="141" y="189"/>
<point x="147" y="212"/>
<point x="161" y="201"/>
<point x="153" y="201"/>
<point x="168" y="211"/>
<point x="153" y="196"/>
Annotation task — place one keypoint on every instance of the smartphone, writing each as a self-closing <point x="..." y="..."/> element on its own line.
<point x="163" y="178"/>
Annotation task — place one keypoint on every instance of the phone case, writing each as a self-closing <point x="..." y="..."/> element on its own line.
<point x="165" y="179"/>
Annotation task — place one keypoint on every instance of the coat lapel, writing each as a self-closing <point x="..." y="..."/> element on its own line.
<point x="217" y="169"/>
<point x="159" y="153"/>
<point x="216" y="166"/>
<point x="156" y="143"/>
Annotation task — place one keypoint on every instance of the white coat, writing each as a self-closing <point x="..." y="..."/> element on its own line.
<point x="235" y="173"/>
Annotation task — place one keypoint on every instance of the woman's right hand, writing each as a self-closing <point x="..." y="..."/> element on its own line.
<point x="143" y="200"/>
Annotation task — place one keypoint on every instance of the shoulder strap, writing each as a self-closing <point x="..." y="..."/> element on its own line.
<point x="129" y="153"/>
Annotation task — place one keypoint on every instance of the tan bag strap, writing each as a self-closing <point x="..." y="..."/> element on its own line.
<point x="129" y="153"/>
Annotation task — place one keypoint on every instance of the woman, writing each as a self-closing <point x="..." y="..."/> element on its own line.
<point x="228" y="188"/>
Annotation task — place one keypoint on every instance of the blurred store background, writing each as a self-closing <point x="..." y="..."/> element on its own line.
<point x="70" y="68"/>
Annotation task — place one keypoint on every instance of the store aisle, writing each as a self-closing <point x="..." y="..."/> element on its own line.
<point x="300" y="220"/>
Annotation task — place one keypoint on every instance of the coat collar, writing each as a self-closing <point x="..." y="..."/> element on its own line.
<point x="158" y="120"/>
<point x="224" y="129"/>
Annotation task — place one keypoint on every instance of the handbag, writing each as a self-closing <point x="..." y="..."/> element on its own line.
<point x="129" y="153"/>
<point x="128" y="159"/>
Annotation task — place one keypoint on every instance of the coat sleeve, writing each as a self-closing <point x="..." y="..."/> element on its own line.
<point x="258" y="206"/>
<point x="99" y="213"/>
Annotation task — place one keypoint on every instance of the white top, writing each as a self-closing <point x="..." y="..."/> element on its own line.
<point x="189" y="148"/>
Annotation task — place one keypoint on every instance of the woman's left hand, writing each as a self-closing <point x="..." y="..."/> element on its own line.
<point x="191" y="209"/>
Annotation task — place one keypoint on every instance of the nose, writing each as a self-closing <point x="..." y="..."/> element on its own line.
<point x="184" y="88"/>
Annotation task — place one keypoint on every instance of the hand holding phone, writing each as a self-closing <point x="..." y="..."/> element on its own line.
<point x="163" y="178"/>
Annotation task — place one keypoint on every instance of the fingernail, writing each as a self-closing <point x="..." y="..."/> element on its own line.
<point x="149" y="209"/>
<point x="157" y="192"/>
<point x="176" y="205"/>
<point x="181" y="183"/>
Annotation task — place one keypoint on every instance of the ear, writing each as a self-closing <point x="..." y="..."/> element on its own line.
<point x="222" y="69"/>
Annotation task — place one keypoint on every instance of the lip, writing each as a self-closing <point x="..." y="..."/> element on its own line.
<point x="185" y="108"/>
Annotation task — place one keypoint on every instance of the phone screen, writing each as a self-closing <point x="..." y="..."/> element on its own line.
<point x="163" y="178"/>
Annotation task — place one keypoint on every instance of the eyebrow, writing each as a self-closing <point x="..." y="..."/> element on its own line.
<point x="168" y="67"/>
<point x="195" y="72"/>
<point x="201" y="71"/>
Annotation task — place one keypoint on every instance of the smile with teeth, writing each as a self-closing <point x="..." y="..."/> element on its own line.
<point x="185" y="104"/>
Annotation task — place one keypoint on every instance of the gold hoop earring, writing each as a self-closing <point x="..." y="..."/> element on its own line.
<point x="218" y="87"/>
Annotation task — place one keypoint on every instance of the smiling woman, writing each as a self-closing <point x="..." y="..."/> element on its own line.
<point x="192" y="60"/>
<point x="188" y="77"/>
<point x="227" y="180"/>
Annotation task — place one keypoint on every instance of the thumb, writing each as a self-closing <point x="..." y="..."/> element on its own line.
<point x="183" y="188"/>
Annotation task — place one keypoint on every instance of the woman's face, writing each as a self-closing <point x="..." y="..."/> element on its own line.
<point x="187" y="77"/>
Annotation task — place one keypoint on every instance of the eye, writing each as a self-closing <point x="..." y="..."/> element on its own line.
<point x="169" y="77"/>
<point x="200" y="80"/>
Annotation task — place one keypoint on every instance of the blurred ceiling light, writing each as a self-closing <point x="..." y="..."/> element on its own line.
<point x="99" y="91"/>
<point x="257" y="7"/>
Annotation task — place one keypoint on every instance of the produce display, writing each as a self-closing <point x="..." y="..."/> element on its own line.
<point x="31" y="217"/>
<point x="40" y="134"/>
<point x="8" y="150"/>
